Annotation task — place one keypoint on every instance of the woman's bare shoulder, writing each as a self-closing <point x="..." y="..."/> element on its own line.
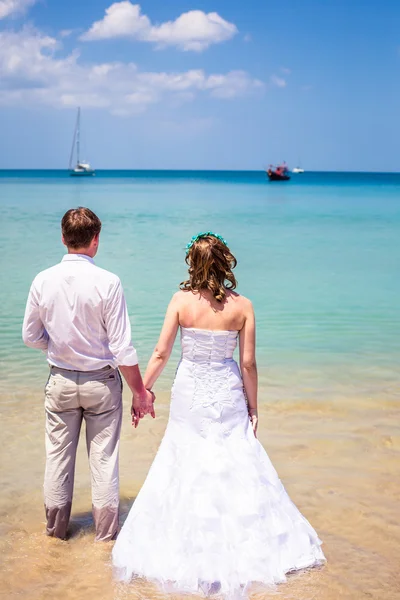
<point x="241" y="301"/>
<point x="182" y="297"/>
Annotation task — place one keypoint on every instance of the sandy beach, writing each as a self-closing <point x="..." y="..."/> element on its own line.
<point x="340" y="462"/>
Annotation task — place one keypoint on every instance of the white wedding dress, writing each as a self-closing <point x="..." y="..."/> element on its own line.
<point x="212" y="515"/>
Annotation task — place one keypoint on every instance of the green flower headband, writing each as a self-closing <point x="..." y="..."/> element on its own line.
<point x="204" y="234"/>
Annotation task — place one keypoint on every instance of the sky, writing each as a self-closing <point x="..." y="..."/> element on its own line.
<point x="212" y="84"/>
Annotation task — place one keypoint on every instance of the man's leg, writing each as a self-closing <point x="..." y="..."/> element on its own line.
<point x="103" y="415"/>
<point x="63" y="423"/>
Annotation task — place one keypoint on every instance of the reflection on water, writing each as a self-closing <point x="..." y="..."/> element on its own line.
<point x="339" y="460"/>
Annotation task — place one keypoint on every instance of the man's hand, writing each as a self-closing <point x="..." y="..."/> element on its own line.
<point x="142" y="399"/>
<point x="142" y="404"/>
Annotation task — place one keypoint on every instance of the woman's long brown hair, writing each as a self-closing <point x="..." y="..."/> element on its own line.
<point x="210" y="267"/>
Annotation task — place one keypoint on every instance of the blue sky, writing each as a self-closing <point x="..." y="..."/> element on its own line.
<point x="206" y="84"/>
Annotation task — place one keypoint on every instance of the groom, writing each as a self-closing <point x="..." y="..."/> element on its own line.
<point x="77" y="314"/>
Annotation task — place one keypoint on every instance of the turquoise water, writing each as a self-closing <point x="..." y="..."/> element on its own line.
<point x="319" y="256"/>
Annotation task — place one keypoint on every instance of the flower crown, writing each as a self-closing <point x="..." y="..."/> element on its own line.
<point x="204" y="234"/>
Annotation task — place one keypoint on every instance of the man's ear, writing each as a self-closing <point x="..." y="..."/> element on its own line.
<point x="63" y="240"/>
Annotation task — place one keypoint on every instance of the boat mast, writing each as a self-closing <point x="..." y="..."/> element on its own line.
<point x="78" y="135"/>
<point x="75" y="139"/>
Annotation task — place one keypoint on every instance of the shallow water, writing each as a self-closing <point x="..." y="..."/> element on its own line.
<point x="318" y="257"/>
<point x="339" y="460"/>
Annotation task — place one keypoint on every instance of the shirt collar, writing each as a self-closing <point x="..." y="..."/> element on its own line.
<point x="78" y="257"/>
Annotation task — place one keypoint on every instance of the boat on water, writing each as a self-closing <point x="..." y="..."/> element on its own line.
<point x="279" y="173"/>
<point x="82" y="167"/>
<point x="298" y="170"/>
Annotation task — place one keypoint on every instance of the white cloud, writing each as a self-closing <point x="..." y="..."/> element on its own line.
<point x="66" y="32"/>
<point x="286" y="71"/>
<point x="32" y="72"/>
<point x="232" y="84"/>
<point x="193" y="30"/>
<point x="122" y="19"/>
<point x="277" y="81"/>
<point x="14" y="7"/>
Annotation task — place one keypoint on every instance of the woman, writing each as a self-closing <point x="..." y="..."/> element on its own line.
<point x="212" y="515"/>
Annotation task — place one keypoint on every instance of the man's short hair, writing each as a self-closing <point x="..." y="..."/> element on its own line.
<point x="79" y="226"/>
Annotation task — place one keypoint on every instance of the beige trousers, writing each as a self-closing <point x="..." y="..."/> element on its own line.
<point x="96" y="397"/>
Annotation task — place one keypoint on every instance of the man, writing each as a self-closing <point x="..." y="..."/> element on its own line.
<point x="76" y="313"/>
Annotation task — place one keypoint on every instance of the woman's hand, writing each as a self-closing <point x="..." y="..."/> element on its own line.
<point x="253" y="416"/>
<point x="248" y="364"/>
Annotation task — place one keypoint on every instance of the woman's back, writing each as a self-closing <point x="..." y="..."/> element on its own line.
<point x="200" y="310"/>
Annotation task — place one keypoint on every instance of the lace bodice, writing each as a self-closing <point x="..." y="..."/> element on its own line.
<point x="204" y="345"/>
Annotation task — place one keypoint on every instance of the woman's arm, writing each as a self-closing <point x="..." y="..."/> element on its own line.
<point x="248" y="365"/>
<point x="163" y="350"/>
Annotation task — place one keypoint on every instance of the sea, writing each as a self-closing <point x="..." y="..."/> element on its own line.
<point x="319" y="256"/>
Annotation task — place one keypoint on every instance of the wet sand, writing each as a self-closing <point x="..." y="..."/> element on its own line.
<point x="339" y="460"/>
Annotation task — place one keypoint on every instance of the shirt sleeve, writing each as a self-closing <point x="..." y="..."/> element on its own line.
<point x="118" y="328"/>
<point x="34" y="333"/>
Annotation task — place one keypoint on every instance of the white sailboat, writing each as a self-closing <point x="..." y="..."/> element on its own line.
<point x="298" y="170"/>
<point x="82" y="167"/>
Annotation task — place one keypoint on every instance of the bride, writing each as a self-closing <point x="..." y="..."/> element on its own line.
<point x="212" y="515"/>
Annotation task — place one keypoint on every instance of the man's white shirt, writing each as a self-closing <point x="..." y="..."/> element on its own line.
<point x="77" y="313"/>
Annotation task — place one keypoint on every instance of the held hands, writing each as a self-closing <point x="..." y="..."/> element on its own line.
<point x="142" y="405"/>
<point x="253" y="416"/>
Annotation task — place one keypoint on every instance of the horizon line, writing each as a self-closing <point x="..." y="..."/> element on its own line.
<point x="197" y="170"/>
